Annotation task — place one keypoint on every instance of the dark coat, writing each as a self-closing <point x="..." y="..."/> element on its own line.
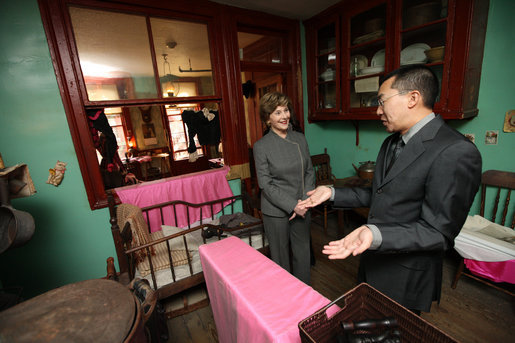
<point x="419" y="207"/>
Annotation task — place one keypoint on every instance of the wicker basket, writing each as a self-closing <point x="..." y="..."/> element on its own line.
<point x="364" y="302"/>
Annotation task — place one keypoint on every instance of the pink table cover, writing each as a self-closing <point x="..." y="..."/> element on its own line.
<point x="253" y="299"/>
<point x="194" y="188"/>
<point x="503" y="271"/>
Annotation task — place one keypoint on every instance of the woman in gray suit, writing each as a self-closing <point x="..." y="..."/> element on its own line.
<point x="285" y="174"/>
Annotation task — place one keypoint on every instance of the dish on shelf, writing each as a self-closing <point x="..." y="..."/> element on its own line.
<point x="421" y="14"/>
<point x="328" y="75"/>
<point x="435" y="54"/>
<point x="357" y="63"/>
<point x="369" y="100"/>
<point x="374" y="24"/>
<point x="371" y="70"/>
<point x="368" y="37"/>
<point x="378" y="59"/>
<point x="414" y="53"/>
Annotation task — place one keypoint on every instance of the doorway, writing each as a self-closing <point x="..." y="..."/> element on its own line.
<point x="262" y="83"/>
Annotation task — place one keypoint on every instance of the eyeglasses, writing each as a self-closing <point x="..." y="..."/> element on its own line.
<point x="382" y="101"/>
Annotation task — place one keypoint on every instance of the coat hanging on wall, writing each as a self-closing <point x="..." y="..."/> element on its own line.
<point x="203" y="123"/>
<point x="248" y="89"/>
<point x="106" y="143"/>
<point x="114" y="173"/>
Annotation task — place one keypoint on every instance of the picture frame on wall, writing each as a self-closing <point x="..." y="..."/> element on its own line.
<point x="149" y="133"/>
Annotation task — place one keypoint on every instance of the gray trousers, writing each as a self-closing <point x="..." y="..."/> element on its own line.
<point x="282" y="232"/>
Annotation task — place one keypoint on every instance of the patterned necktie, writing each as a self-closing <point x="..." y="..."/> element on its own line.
<point x="394" y="153"/>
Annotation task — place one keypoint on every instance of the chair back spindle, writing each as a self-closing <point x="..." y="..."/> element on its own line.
<point x="499" y="180"/>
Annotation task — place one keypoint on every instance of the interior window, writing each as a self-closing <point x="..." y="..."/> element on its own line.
<point x="182" y="53"/>
<point x="141" y="141"/>
<point x="124" y="57"/>
<point x="129" y="55"/>
<point x="114" y="53"/>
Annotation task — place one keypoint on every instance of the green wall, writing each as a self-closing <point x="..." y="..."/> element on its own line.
<point x="496" y="97"/>
<point x="71" y="242"/>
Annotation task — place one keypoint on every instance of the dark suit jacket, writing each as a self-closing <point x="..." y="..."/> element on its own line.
<point x="419" y="207"/>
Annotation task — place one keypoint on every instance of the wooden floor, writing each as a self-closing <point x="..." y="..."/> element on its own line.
<point x="471" y="313"/>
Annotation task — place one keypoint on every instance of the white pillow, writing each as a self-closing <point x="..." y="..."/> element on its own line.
<point x="194" y="238"/>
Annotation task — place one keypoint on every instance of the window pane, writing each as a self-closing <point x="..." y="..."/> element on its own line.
<point x="259" y="48"/>
<point x="104" y="42"/>
<point x="183" y="57"/>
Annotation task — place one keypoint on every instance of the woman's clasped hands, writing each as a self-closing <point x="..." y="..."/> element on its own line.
<point x="299" y="210"/>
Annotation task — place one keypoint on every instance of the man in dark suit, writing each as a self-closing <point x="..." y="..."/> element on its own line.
<point x="426" y="178"/>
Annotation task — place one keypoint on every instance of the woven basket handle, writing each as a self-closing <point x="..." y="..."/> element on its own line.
<point x="322" y="311"/>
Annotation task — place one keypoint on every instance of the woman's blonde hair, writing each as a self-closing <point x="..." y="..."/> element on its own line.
<point x="269" y="102"/>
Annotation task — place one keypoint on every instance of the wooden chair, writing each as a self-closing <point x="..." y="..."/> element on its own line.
<point x="323" y="176"/>
<point x="504" y="183"/>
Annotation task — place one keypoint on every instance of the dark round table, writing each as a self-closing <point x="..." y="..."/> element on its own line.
<point x="95" y="310"/>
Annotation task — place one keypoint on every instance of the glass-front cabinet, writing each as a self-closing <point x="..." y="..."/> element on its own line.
<point x="351" y="46"/>
<point x="325" y="78"/>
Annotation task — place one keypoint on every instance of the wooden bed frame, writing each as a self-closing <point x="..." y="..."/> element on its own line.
<point x="126" y="252"/>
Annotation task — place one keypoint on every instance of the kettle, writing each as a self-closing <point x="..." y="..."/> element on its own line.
<point x="365" y="170"/>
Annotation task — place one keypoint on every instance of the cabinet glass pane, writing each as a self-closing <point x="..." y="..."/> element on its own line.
<point x="104" y="40"/>
<point x="327" y="95"/>
<point x="438" y="70"/>
<point x="326" y="67"/>
<point x="327" y="39"/>
<point x="424" y="35"/>
<point x="367" y="56"/>
<point x="420" y="12"/>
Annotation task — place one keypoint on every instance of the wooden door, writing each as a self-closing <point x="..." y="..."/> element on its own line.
<point x="264" y="83"/>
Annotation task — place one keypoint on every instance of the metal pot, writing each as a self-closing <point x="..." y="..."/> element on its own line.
<point x="365" y="170"/>
<point x="16" y="227"/>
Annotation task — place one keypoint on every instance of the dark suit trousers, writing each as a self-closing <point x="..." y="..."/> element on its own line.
<point x="282" y="232"/>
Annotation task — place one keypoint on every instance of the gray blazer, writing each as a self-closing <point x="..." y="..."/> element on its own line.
<point x="419" y="207"/>
<point x="284" y="172"/>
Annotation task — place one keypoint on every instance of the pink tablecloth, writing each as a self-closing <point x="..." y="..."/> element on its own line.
<point x="252" y="298"/>
<point x="194" y="188"/>
<point x="503" y="271"/>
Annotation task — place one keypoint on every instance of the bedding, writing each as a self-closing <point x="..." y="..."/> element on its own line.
<point x="194" y="188"/>
<point x="142" y="240"/>
<point x="482" y="240"/>
<point x="163" y="273"/>
<point x="488" y="249"/>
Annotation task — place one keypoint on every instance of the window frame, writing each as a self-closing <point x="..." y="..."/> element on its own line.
<point x="222" y="24"/>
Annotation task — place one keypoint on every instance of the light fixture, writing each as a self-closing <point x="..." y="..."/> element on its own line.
<point x="174" y="87"/>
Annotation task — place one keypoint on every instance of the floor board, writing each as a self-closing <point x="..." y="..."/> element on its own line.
<point x="471" y="313"/>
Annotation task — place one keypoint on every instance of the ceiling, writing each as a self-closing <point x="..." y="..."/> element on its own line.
<point x="293" y="9"/>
